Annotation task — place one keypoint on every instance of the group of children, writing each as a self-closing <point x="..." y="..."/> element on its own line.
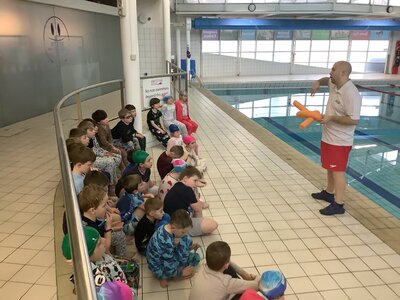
<point x="119" y="202"/>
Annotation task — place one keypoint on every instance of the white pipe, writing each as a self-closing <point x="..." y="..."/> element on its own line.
<point x="167" y="29"/>
<point x="188" y="28"/>
<point x="130" y="58"/>
<point x="178" y="46"/>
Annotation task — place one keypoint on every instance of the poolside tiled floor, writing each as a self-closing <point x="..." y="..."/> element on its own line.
<point x="258" y="194"/>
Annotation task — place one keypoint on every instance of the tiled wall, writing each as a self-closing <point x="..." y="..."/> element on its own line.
<point x="151" y="37"/>
<point x="151" y="49"/>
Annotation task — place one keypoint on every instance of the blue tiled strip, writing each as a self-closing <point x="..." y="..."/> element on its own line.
<point x="350" y="171"/>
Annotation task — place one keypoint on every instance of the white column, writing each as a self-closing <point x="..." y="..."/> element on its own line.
<point x="130" y="58"/>
<point x="178" y="46"/>
<point x="167" y="29"/>
<point x="188" y="28"/>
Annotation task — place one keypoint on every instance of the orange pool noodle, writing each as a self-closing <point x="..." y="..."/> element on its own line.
<point x="299" y="105"/>
<point x="310" y="116"/>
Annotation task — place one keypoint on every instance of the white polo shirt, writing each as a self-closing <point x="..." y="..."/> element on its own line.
<point x="343" y="102"/>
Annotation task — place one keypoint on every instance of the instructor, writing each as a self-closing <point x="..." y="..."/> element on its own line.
<point x="338" y="124"/>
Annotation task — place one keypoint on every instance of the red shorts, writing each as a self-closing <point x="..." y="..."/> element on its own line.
<point x="334" y="158"/>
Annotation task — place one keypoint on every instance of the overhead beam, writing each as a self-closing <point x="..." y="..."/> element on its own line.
<point x="292" y="24"/>
<point x="296" y="9"/>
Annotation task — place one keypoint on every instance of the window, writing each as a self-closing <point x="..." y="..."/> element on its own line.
<point x="210" y="47"/>
<point x="302" y="57"/>
<point x="283" y="57"/>
<point x="359" y="45"/>
<point x="229" y="46"/>
<point x="319" y="57"/>
<point x="283" y="45"/>
<point x="358" y="56"/>
<point x="365" y="50"/>
<point x="265" y="46"/>
<point x="303" y="45"/>
<point x="339" y="45"/>
<point x="336" y="56"/>
<point x="264" y="56"/>
<point x="320" y="46"/>
<point x="248" y="46"/>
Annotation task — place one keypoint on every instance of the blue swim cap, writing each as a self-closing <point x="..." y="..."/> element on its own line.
<point x="272" y="284"/>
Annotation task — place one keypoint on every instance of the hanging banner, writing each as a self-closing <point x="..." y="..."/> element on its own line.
<point x="155" y="88"/>
<point x="302" y="34"/>
<point x="320" y="34"/>
<point x="360" y="35"/>
<point x="283" y="35"/>
<point x="340" y="34"/>
<point x="379" y="35"/>
<point x="265" y="35"/>
<point x="248" y="35"/>
<point x="210" y="35"/>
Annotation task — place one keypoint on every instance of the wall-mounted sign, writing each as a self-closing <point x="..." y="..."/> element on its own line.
<point x="340" y="34"/>
<point x="248" y="35"/>
<point x="265" y="35"/>
<point x="320" y="34"/>
<point x="379" y="35"/>
<point x="360" y="35"/>
<point x="302" y="34"/>
<point x="283" y="35"/>
<point x="155" y="88"/>
<point x="210" y="35"/>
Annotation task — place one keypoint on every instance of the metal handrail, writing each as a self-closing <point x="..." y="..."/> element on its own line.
<point x="171" y="67"/>
<point x="84" y="282"/>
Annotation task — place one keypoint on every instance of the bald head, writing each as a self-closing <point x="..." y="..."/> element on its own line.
<point x="343" y="67"/>
<point x="340" y="73"/>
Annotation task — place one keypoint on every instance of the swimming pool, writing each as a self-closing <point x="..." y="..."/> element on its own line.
<point x="374" y="163"/>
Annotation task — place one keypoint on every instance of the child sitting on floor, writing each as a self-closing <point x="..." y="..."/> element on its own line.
<point x="93" y="207"/>
<point x="124" y="135"/>
<point x="118" y="240"/>
<point x="143" y="162"/>
<point x="169" y="254"/>
<point x="153" y="121"/>
<point x="130" y="205"/>
<point x="218" y="277"/>
<point x="193" y="158"/>
<point x="104" y="136"/>
<point x="171" y="178"/>
<point x="182" y="113"/>
<point x="82" y="159"/>
<point x="183" y="196"/>
<point x="147" y="225"/>
<point x="169" y="115"/>
<point x="164" y="165"/>
<point x="272" y="286"/>
<point x="104" y="267"/>
<point x="106" y="161"/>
<point x="138" y="135"/>
<point x="175" y="138"/>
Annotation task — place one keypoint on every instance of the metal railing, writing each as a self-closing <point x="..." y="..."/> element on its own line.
<point x="84" y="282"/>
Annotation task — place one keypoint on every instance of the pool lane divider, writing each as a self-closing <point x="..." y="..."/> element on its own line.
<point x="390" y="197"/>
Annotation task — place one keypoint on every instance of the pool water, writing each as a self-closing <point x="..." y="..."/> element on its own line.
<point x="374" y="163"/>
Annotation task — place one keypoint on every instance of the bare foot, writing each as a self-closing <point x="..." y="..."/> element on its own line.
<point x="164" y="283"/>
<point x="187" y="272"/>
<point x="201" y="183"/>
<point x="205" y="205"/>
